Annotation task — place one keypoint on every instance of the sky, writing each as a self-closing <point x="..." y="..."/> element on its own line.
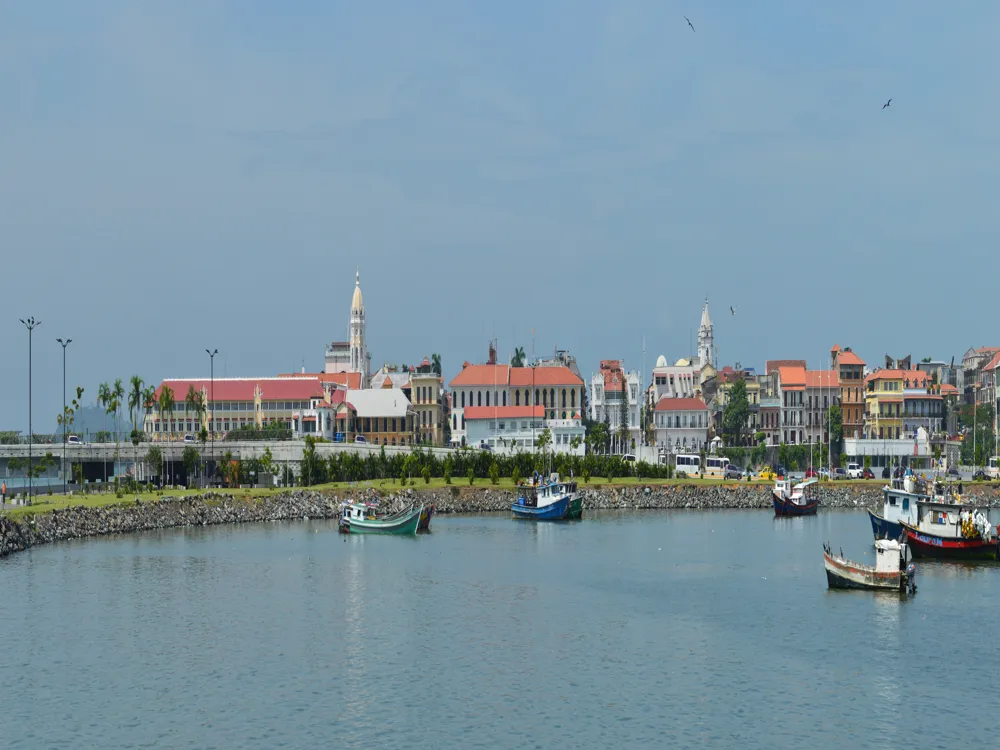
<point x="189" y="174"/>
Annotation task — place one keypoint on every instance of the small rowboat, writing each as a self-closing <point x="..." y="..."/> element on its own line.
<point x="359" y="519"/>
<point x="890" y="573"/>
<point x="425" y="518"/>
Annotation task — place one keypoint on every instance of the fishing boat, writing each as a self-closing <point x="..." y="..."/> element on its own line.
<point x="891" y="572"/>
<point x="900" y="500"/>
<point x="800" y="500"/>
<point x="945" y="531"/>
<point x="356" y="518"/>
<point x="425" y="518"/>
<point x="545" y="499"/>
<point x="575" y="509"/>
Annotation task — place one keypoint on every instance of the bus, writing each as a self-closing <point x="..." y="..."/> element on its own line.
<point x="994" y="471"/>
<point x="688" y="464"/>
<point x="715" y="466"/>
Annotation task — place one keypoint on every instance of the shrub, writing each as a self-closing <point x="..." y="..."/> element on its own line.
<point x="586" y="476"/>
<point x="426" y="474"/>
<point x="447" y="472"/>
<point x="494" y="473"/>
<point x="472" y="477"/>
<point x="515" y="474"/>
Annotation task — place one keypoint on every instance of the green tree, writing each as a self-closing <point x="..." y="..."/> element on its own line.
<point x="154" y="460"/>
<point x="117" y="402"/>
<point x="868" y="462"/>
<point x="267" y="461"/>
<point x="193" y="404"/>
<point x="309" y="462"/>
<point x="190" y="459"/>
<point x="835" y="418"/>
<point x="517" y="360"/>
<point x="449" y="467"/>
<point x="574" y="442"/>
<point x="544" y="439"/>
<point x="135" y="400"/>
<point x="472" y="476"/>
<point x="494" y="472"/>
<point x="426" y="474"/>
<point x="598" y="437"/>
<point x="104" y="399"/>
<point x="606" y="446"/>
<point x="623" y="413"/>
<point x="436" y="364"/>
<point x="166" y="406"/>
<point x="736" y="412"/>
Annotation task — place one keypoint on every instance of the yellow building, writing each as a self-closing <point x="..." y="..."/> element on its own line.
<point x="726" y="377"/>
<point x="884" y="404"/>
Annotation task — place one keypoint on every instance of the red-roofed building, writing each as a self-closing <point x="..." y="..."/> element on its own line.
<point x="822" y="392"/>
<point x="343" y="380"/>
<point x="973" y="363"/>
<point x="608" y="388"/>
<point x="792" y="392"/>
<point x="680" y="425"/>
<point x="850" y="369"/>
<point x="556" y="388"/>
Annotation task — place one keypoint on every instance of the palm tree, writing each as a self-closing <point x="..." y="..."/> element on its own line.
<point x="436" y="363"/>
<point x="518" y="359"/>
<point x="134" y="405"/>
<point x="165" y="406"/>
<point x="104" y="399"/>
<point x="117" y="398"/>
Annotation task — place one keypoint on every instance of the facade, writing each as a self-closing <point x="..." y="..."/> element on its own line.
<point x="382" y="416"/>
<point x="679" y="380"/>
<point x="792" y="391"/>
<point x="607" y="389"/>
<point x="822" y="392"/>
<point x="884" y="405"/>
<point x="425" y="395"/>
<point x="986" y="389"/>
<point x="922" y="403"/>
<point x="509" y="429"/>
<point x="237" y="403"/>
<point x="680" y="425"/>
<point x="972" y="365"/>
<point x="558" y="390"/>
<point x="947" y="374"/>
<point x="770" y="407"/>
<point x="850" y="369"/>
<point x="352" y="355"/>
<point x="725" y="379"/>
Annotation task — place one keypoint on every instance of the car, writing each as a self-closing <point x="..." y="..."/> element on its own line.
<point x="885" y="473"/>
<point x="824" y="473"/>
<point x="628" y="457"/>
<point x="767" y="473"/>
<point x="981" y="476"/>
<point x="854" y="471"/>
<point x="840" y="473"/>
<point x="733" y="471"/>
<point x="953" y="472"/>
<point x="360" y="439"/>
<point x="189" y="438"/>
<point x="780" y="471"/>
<point x="811" y="473"/>
<point x="867" y="474"/>
<point x="74" y="440"/>
<point x="484" y="446"/>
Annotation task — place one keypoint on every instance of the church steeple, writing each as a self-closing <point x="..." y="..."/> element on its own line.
<point x="359" y="349"/>
<point x="706" y="338"/>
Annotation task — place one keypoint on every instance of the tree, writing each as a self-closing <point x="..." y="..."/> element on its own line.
<point x="606" y="445"/>
<point x="436" y="364"/>
<point x="544" y="439"/>
<point x="309" y="461"/>
<point x="154" y="459"/>
<point x="574" y="442"/>
<point x="517" y="360"/>
<point x="190" y="459"/>
<point x="737" y="411"/>
<point x="835" y="418"/>
<point x="118" y="401"/>
<point x="623" y="413"/>
<point x="104" y="399"/>
<point x="165" y="407"/>
<point x="868" y="462"/>
<point x="135" y="400"/>
<point x="267" y="461"/>
<point x="494" y="472"/>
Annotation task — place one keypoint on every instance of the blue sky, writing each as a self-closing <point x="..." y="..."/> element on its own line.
<point x="178" y="175"/>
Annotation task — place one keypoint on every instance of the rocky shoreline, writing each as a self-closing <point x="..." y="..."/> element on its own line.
<point x="20" y="533"/>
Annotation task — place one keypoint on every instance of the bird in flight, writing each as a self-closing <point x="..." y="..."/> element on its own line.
<point x="887" y="103"/>
<point x="689" y="22"/>
<point x="732" y="309"/>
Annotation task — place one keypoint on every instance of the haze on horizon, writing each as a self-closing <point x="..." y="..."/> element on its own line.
<point x="183" y="175"/>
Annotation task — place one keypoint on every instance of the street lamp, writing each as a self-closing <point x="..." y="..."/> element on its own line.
<point x="64" y="344"/>
<point x="31" y="324"/>
<point x="211" y="397"/>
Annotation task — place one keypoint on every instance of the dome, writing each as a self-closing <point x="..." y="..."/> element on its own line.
<point x="661" y="361"/>
<point x="357" y="302"/>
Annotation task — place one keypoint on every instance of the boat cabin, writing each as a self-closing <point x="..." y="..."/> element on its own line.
<point x="351" y="511"/>
<point x="890" y="556"/>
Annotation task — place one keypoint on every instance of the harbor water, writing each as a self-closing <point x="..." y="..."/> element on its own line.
<point x="658" y="629"/>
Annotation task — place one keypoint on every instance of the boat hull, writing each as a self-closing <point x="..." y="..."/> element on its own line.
<point x="842" y="574"/>
<point x="555" y="511"/>
<point x="932" y="547"/>
<point x="883" y="529"/>
<point x="425" y="518"/>
<point x="575" y="508"/>
<point x="783" y="507"/>
<point x="404" y="525"/>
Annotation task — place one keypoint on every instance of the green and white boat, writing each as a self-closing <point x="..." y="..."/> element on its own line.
<point x="361" y="519"/>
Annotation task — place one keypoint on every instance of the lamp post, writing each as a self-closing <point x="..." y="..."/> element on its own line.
<point x="64" y="344"/>
<point x="211" y="397"/>
<point x="31" y="324"/>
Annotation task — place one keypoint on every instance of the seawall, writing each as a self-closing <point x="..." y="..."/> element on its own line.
<point x="25" y="531"/>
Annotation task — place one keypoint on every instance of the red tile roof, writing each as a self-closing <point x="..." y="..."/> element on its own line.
<point x="774" y="364"/>
<point x="242" y="389"/>
<point x="822" y="379"/>
<point x="504" y="412"/>
<point x="993" y="363"/>
<point x="680" y="404"/>
<point x="947" y="389"/>
<point x="835" y="348"/>
<point x="502" y="375"/>
<point x="988" y="349"/>
<point x="351" y="380"/>
<point x="792" y="378"/>
<point x="481" y="375"/>
<point x="849" y="358"/>
<point x="886" y="375"/>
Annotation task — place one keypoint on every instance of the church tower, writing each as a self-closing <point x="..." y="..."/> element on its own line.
<point x="359" y="350"/>
<point x="706" y="339"/>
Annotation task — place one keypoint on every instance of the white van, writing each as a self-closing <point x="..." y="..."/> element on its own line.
<point x="854" y="471"/>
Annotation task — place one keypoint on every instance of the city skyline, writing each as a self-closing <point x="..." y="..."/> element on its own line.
<point x="191" y="176"/>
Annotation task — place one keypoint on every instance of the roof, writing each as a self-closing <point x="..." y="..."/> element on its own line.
<point x="849" y="358"/>
<point x="481" y="375"/>
<point x="887" y="375"/>
<point x="822" y="379"/>
<point x="917" y="378"/>
<point x="706" y="321"/>
<point x="357" y="301"/>
<point x="993" y="363"/>
<point x="504" y="412"/>
<point x="947" y="389"/>
<point x="243" y="389"/>
<point x="988" y="349"/>
<point x="381" y="402"/>
<point x="835" y="348"/>
<point x="922" y="396"/>
<point x="792" y="377"/>
<point x="503" y="375"/>
<point x="773" y="364"/>
<point x="680" y="404"/>
<point x="346" y="379"/>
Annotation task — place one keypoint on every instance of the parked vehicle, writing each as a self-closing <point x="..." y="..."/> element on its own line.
<point x="360" y="439"/>
<point x="733" y="471"/>
<point x="867" y="474"/>
<point x="767" y="473"/>
<point x="981" y="475"/>
<point x="780" y="470"/>
<point x="811" y="473"/>
<point x="74" y="440"/>
<point x="953" y="472"/>
<point x="824" y="472"/>
<point x="854" y="471"/>
<point x="189" y="438"/>
<point x="628" y="457"/>
<point x="840" y="473"/>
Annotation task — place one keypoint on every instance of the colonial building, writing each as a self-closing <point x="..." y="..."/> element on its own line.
<point x="923" y="403"/>
<point x="770" y="407"/>
<point x="608" y="388"/>
<point x="972" y="366"/>
<point x="352" y="355"/>
<point x="556" y="389"/>
<point x="680" y="425"/>
<point x="508" y="429"/>
<point x="850" y="369"/>
<point x="822" y="391"/>
<point x="884" y="404"/>
<point x="230" y="404"/>
<point x="725" y="379"/>
<point x="792" y="391"/>
<point x="679" y="380"/>
<point x="425" y="390"/>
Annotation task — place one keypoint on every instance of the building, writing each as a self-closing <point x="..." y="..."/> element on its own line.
<point x="972" y="365"/>
<point x="608" y="388"/>
<point x="680" y="425"/>
<point x="946" y="374"/>
<point x="986" y="388"/>
<point x="725" y="379"/>
<point x="382" y="416"/>
<point x="769" y="417"/>
<point x="558" y="390"/>
<point x="822" y="391"/>
<point x="561" y="358"/>
<point x="884" y="404"/>
<point x="330" y="380"/>
<point x="231" y="404"/>
<point x="850" y="369"/>
<point x="352" y="355"/>
<point x="923" y="404"/>
<point x="508" y="429"/>
<point x="679" y="380"/>
<point x="425" y="395"/>
<point x="706" y="340"/>
<point x="792" y="391"/>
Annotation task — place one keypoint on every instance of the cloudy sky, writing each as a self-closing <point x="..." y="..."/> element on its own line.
<point x="177" y="175"/>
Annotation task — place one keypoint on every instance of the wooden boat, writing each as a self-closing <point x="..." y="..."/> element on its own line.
<point x="800" y="500"/>
<point x="545" y="499"/>
<point x="945" y="531"/>
<point x="890" y="573"/>
<point x="361" y="519"/>
<point x="575" y="509"/>
<point x="425" y="518"/>
<point x="900" y="501"/>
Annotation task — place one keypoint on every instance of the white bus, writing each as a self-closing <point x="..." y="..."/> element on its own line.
<point x="994" y="471"/>
<point x="715" y="466"/>
<point x="690" y="465"/>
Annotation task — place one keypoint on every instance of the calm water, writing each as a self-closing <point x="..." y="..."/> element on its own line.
<point x="659" y="629"/>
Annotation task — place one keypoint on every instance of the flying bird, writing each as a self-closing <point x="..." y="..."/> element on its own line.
<point x="887" y="103"/>
<point x="732" y="309"/>
<point x="689" y="22"/>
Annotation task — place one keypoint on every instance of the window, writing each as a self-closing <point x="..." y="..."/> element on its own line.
<point x="563" y="398"/>
<point x="463" y="399"/>
<point x="572" y="398"/>
<point x="487" y="398"/>
<point x="479" y="398"/>
<point x="517" y="398"/>
<point x="505" y="398"/>
<point x="536" y="397"/>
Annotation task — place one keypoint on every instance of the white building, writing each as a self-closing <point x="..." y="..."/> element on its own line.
<point x="680" y="425"/>
<point x="607" y="389"/>
<point x="352" y="355"/>
<point x="509" y="429"/>
<point x="679" y="380"/>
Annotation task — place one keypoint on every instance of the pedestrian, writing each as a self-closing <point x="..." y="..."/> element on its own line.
<point x="3" y="493"/>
